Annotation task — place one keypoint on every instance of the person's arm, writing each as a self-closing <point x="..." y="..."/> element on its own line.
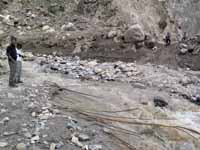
<point x="21" y="54"/>
<point x="11" y="59"/>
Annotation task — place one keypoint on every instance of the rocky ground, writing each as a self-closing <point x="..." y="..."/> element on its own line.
<point x="153" y="108"/>
<point x="99" y="77"/>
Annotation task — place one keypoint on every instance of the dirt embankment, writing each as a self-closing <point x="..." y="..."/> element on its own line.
<point x="94" y="29"/>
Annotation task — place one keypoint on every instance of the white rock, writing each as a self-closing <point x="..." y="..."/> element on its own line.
<point x="3" y="144"/>
<point x="183" y="50"/>
<point x="69" y="27"/>
<point x="6" y="119"/>
<point x="52" y="146"/>
<point x="112" y="34"/>
<point x="21" y="146"/>
<point x="46" y="27"/>
<point x="76" y="141"/>
<point x="95" y="147"/>
<point x="35" y="139"/>
<point x="33" y="114"/>
<point x="28" y="135"/>
<point x="1" y="32"/>
<point x="8" y="133"/>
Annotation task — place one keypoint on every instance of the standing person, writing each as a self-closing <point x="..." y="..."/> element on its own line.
<point x="184" y="38"/>
<point x="12" y="57"/>
<point x="168" y="39"/>
<point x="19" y="63"/>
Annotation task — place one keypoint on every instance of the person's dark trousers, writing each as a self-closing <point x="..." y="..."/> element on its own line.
<point x="18" y="71"/>
<point x="12" y="77"/>
<point x="168" y="42"/>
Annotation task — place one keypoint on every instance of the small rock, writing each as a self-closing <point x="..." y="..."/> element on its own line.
<point x="52" y="146"/>
<point x="83" y="137"/>
<point x="33" y="114"/>
<point x="94" y="147"/>
<point x="1" y="32"/>
<point x="4" y="120"/>
<point x="183" y="50"/>
<point x="134" y="34"/>
<point x="59" y="145"/>
<point x="21" y="146"/>
<point x="35" y="139"/>
<point x="8" y="133"/>
<point x="28" y="135"/>
<point x="112" y="34"/>
<point x="196" y="99"/>
<point x="46" y="27"/>
<point x="159" y="102"/>
<point x="69" y="27"/>
<point x="3" y="144"/>
<point x="182" y="45"/>
<point x="76" y="141"/>
<point x="106" y="130"/>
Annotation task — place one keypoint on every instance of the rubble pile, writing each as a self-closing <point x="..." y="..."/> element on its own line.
<point x="90" y="69"/>
<point x="191" y="45"/>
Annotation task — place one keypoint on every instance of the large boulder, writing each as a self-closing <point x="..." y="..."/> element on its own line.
<point x="134" y="34"/>
<point x="149" y="42"/>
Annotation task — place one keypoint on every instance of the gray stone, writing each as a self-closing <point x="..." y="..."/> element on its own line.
<point x="83" y="137"/>
<point x="134" y="34"/>
<point x="59" y="145"/>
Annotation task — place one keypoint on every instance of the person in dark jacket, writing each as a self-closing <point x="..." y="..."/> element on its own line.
<point x="168" y="39"/>
<point x="12" y="60"/>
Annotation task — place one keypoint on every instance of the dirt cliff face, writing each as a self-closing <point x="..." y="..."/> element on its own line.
<point x="97" y="28"/>
<point x="155" y="16"/>
<point x="187" y="12"/>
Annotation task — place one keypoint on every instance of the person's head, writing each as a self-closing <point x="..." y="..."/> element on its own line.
<point x="13" y="40"/>
<point x="19" y="46"/>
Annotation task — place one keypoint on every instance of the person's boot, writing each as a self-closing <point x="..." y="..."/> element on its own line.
<point x="20" y="81"/>
<point x="12" y="85"/>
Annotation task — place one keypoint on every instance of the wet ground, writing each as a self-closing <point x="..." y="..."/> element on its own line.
<point x="43" y="104"/>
